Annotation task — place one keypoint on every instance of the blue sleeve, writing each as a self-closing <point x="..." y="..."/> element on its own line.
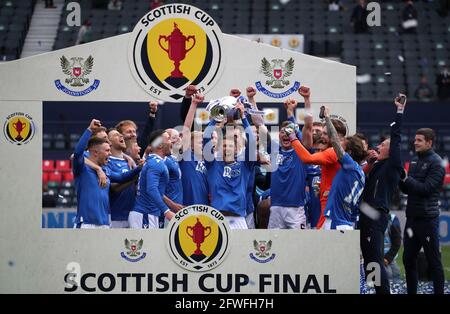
<point x="78" y="155"/>
<point x="250" y="154"/>
<point x="299" y="133"/>
<point x="347" y="162"/>
<point x="124" y="177"/>
<point x="206" y="139"/>
<point x="153" y="175"/>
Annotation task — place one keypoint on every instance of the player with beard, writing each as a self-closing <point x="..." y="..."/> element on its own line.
<point x="152" y="185"/>
<point x="93" y="200"/>
<point x="122" y="196"/>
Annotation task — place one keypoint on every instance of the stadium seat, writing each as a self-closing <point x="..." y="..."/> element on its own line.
<point x="63" y="165"/>
<point x="48" y="165"/>
<point x="44" y="179"/>
<point x="68" y="176"/>
<point x="55" y="177"/>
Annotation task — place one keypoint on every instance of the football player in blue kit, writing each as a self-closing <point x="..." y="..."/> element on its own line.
<point x="152" y="185"/>
<point x="93" y="200"/>
<point x="227" y="176"/>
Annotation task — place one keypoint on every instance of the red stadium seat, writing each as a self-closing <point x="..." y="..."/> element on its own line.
<point x="55" y="177"/>
<point x="63" y="165"/>
<point x="48" y="165"/>
<point x="44" y="179"/>
<point x="68" y="176"/>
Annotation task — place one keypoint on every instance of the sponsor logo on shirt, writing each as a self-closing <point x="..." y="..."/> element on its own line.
<point x="229" y="172"/>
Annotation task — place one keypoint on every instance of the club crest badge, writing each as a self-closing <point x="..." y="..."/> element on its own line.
<point x="77" y="71"/>
<point x="133" y="250"/>
<point x="277" y="77"/>
<point x="262" y="251"/>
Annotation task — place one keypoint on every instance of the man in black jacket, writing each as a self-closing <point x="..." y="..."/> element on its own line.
<point x="382" y="179"/>
<point x="423" y="184"/>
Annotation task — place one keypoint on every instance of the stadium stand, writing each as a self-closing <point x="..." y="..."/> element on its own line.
<point x="394" y="60"/>
<point x="15" y="19"/>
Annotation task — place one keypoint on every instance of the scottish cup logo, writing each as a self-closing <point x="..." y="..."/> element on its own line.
<point x="198" y="238"/>
<point x="173" y="46"/>
<point x="77" y="71"/>
<point x="19" y="128"/>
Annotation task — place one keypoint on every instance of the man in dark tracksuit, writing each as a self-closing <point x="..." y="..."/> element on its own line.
<point x="423" y="184"/>
<point x="382" y="179"/>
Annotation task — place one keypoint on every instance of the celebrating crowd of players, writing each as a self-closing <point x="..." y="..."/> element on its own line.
<point x="313" y="176"/>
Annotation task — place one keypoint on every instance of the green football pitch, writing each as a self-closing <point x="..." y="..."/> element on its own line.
<point x="445" y="251"/>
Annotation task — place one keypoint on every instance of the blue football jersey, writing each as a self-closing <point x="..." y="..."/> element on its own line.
<point x="312" y="206"/>
<point x="121" y="202"/>
<point x="228" y="182"/>
<point x="174" y="189"/>
<point x="93" y="200"/>
<point x="345" y="193"/>
<point x="288" y="182"/>
<point x="152" y="185"/>
<point x="194" y="180"/>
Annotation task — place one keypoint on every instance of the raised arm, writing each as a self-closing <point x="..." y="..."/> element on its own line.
<point x="78" y="155"/>
<point x="290" y="104"/>
<point x="208" y="149"/>
<point x="307" y="134"/>
<point x="257" y="120"/>
<point x="186" y="102"/>
<point x="250" y="146"/>
<point x="149" y="126"/>
<point x="394" y="146"/>
<point x="334" y="138"/>
<point x="186" y="134"/>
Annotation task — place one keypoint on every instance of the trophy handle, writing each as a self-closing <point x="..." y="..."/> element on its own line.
<point x="187" y="231"/>
<point x="207" y="228"/>
<point x="159" y="42"/>
<point x="193" y="44"/>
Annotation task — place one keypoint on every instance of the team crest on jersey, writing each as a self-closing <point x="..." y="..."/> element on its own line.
<point x="200" y="167"/>
<point x="199" y="238"/>
<point x="133" y="253"/>
<point x="229" y="172"/>
<point x="19" y="128"/>
<point x="174" y="46"/>
<point x="77" y="72"/>
<point x="262" y="251"/>
<point x="283" y="159"/>
<point x="277" y="77"/>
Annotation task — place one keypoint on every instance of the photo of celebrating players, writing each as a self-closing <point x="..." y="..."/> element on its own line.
<point x="340" y="123"/>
